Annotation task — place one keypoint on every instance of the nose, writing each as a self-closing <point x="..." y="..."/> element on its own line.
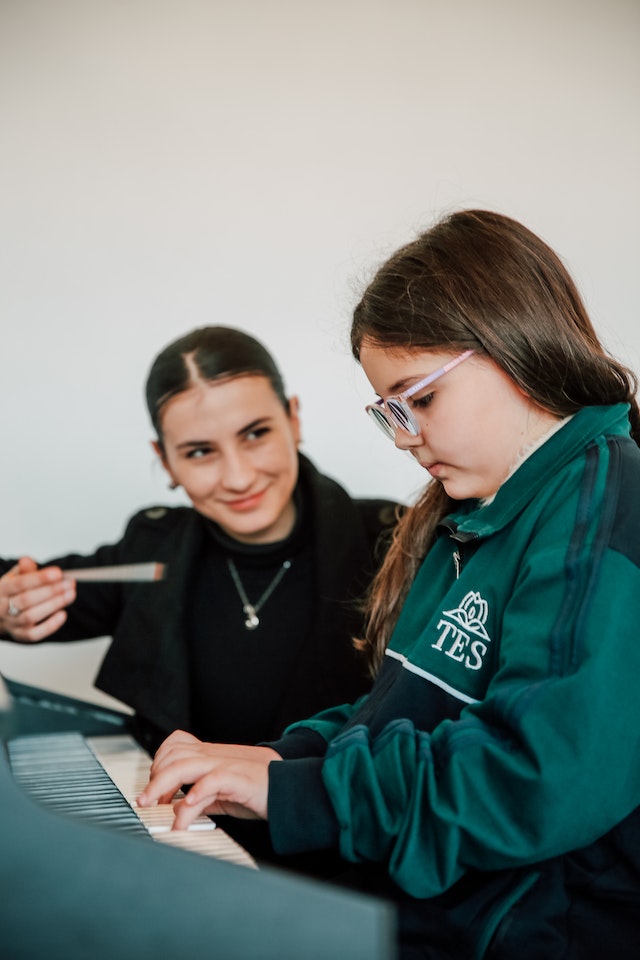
<point x="407" y="441"/>
<point x="238" y="471"/>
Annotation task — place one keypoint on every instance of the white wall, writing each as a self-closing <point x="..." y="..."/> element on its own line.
<point x="172" y="163"/>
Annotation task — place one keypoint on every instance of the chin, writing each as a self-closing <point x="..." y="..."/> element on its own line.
<point x="246" y="531"/>
<point x="255" y="531"/>
<point x="456" y="492"/>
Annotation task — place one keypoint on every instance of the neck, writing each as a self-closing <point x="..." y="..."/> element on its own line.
<point x="538" y="437"/>
<point x="269" y="545"/>
<point x="282" y="529"/>
<point x="543" y="427"/>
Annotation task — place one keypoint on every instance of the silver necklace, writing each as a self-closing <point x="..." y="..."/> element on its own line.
<point x="251" y="609"/>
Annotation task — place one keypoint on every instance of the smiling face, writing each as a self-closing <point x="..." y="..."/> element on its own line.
<point x="474" y="420"/>
<point x="234" y="448"/>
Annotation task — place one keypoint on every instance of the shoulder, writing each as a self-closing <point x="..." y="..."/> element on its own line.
<point x="322" y="485"/>
<point x="621" y="499"/>
<point x="379" y="513"/>
<point x="336" y="506"/>
<point x="158" y="520"/>
<point x="379" y="517"/>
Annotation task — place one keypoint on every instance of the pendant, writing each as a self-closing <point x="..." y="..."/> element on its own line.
<point x="252" y="618"/>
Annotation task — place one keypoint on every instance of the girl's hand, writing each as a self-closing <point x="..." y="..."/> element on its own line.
<point x="33" y="601"/>
<point x="227" y="778"/>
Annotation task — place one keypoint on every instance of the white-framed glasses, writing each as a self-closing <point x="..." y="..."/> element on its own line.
<point x="394" y="412"/>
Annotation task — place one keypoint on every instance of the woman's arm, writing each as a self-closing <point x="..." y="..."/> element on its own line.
<point x="48" y="601"/>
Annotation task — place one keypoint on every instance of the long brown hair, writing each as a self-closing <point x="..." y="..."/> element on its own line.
<point x="479" y="280"/>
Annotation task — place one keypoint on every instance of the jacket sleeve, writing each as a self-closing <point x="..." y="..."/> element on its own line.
<point x="304" y="745"/>
<point x="309" y="738"/>
<point x="544" y="764"/>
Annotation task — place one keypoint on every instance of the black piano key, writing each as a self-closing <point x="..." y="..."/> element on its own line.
<point x="60" y="771"/>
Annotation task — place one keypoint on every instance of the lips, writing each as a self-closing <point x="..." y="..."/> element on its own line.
<point x="433" y="465"/>
<point x="246" y="503"/>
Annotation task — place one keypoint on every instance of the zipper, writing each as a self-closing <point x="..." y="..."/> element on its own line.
<point x="459" y="539"/>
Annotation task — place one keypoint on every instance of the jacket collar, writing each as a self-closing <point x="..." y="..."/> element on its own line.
<point x="474" y="520"/>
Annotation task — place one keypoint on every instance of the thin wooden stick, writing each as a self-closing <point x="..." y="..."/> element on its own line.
<point x="124" y="573"/>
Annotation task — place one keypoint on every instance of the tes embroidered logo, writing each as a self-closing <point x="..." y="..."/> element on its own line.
<point x="462" y="634"/>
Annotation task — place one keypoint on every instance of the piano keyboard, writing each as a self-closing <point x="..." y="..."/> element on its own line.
<point x="97" y="779"/>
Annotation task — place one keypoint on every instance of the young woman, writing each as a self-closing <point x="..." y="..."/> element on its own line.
<point x="489" y="783"/>
<point x="253" y="621"/>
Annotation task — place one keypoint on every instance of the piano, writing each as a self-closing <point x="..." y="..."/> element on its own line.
<point x="84" y="874"/>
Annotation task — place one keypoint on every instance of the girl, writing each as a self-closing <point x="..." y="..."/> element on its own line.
<point x="252" y="623"/>
<point x="489" y="783"/>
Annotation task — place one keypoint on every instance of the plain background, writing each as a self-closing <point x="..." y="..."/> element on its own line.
<point x="167" y="164"/>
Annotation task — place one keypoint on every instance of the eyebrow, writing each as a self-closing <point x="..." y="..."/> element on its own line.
<point x="401" y="385"/>
<point x="430" y="378"/>
<point x="404" y="384"/>
<point x="193" y="443"/>
<point x="253" y="425"/>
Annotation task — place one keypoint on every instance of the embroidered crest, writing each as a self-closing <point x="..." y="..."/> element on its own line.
<point x="471" y="614"/>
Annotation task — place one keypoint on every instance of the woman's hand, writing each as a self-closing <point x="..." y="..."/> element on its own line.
<point x="227" y="778"/>
<point x="33" y="601"/>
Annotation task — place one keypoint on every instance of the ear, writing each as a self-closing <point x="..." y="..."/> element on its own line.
<point x="163" y="460"/>
<point x="159" y="452"/>
<point x="294" y="418"/>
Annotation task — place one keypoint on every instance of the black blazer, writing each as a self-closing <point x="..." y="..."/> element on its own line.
<point x="146" y="665"/>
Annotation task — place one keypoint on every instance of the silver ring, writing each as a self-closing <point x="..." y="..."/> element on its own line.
<point x="12" y="610"/>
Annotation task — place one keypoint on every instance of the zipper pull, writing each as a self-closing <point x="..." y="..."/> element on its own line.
<point x="457" y="561"/>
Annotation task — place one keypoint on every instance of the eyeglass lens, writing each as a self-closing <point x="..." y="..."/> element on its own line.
<point x="402" y="416"/>
<point x="379" y="417"/>
<point x="390" y="421"/>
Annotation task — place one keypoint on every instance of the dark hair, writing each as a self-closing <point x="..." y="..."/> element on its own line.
<point x="207" y="354"/>
<point x="483" y="281"/>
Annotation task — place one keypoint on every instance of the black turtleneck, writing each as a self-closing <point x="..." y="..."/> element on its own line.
<point x="239" y="675"/>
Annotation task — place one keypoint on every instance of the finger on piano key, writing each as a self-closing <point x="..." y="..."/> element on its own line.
<point x="160" y="818"/>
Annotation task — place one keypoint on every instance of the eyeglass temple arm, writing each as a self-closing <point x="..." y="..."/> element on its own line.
<point x="434" y="376"/>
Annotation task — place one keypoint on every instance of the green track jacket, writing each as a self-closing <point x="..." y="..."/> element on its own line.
<point x="504" y="727"/>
